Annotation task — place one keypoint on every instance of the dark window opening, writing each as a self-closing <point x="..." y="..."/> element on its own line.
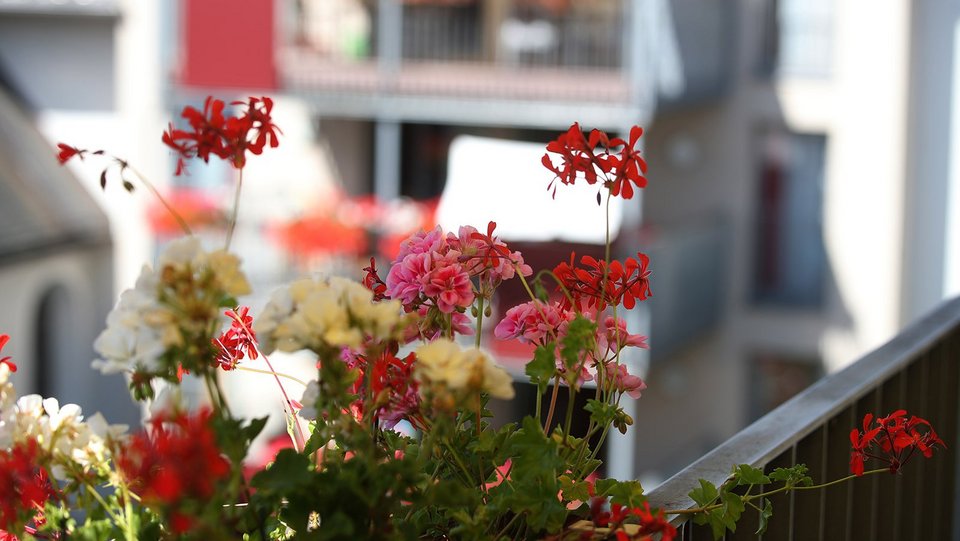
<point x="53" y="339"/>
<point x="790" y="259"/>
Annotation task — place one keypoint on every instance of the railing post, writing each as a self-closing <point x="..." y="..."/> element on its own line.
<point x="635" y="50"/>
<point x="389" y="36"/>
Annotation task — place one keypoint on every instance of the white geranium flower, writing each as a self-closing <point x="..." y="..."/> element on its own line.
<point x="142" y="328"/>
<point x="309" y="401"/>
<point x="182" y="251"/>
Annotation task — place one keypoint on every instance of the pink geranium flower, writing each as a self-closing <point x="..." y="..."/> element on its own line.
<point x="449" y="286"/>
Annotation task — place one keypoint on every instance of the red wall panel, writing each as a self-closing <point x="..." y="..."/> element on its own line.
<point x="228" y="43"/>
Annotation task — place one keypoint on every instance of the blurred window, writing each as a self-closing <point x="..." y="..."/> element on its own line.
<point x="776" y="378"/>
<point x="790" y="261"/>
<point x="805" y="47"/>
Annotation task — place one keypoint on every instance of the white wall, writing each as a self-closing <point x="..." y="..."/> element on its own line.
<point x="85" y="276"/>
<point x="60" y="62"/>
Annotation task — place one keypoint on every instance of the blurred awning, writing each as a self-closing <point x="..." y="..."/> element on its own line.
<point x="42" y="205"/>
<point x="504" y="181"/>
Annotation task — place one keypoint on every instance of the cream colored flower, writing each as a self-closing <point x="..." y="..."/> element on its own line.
<point x="226" y="267"/>
<point x="444" y="362"/>
<point x="317" y="313"/>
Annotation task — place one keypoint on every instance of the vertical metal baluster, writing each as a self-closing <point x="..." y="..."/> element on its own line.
<point x="874" y="484"/>
<point x="851" y="416"/>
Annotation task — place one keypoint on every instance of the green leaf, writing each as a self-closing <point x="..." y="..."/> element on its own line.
<point x="704" y="495"/>
<point x="253" y="429"/>
<point x="748" y="475"/>
<point x="629" y="493"/>
<point x="795" y="475"/>
<point x="581" y="337"/>
<point x="314" y="442"/>
<point x="717" y="525"/>
<point x="601" y="413"/>
<point x="289" y="472"/>
<point x="733" y="507"/>
<point x="574" y="490"/>
<point x="765" y="515"/>
<point x="543" y="366"/>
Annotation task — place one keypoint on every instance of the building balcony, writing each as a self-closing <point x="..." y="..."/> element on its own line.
<point x="484" y="63"/>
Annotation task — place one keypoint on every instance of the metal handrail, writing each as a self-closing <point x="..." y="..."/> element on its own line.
<point x="784" y="427"/>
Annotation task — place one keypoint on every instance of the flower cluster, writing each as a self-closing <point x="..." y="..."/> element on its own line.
<point x="24" y="487"/>
<point x="319" y="314"/>
<point x="597" y="157"/>
<point x="226" y="137"/>
<point x="541" y="323"/>
<point x="629" y="523"/>
<point x="433" y="274"/>
<point x="42" y="443"/>
<point x="170" y="317"/>
<point x="237" y="342"/>
<point x="175" y="468"/>
<point x="444" y="366"/>
<point x="68" y="444"/>
<point x="596" y="284"/>
<point x="892" y="440"/>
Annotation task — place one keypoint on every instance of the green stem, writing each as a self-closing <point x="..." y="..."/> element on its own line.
<point x="236" y="210"/>
<point x="553" y="405"/>
<point x="152" y="189"/>
<point x="479" y="320"/>
<point x="269" y="372"/>
<point x="459" y="461"/>
<point x="128" y="532"/>
<point x="502" y="532"/>
<point x="568" y="421"/>
<point x="786" y="488"/>
<point x="117" y="518"/>
<point x="216" y="394"/>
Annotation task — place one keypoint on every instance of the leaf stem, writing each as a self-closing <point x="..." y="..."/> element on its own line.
<point x="270" y="372"/>
<point x="785" y="488"/>
<point x="553" y="404"/>
<point x="152" y="189"/>
<point x="236" y="210"/>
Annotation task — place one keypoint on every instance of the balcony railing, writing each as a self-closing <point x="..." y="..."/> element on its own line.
<point x="504" y="49"/>
<point x="917" y="371"/>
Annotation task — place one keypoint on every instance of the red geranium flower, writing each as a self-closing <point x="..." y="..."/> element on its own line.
<point x="67" y="152"/>
<point x="892" y="440"/>
<point x="372" y="281"/>
<point x="6" y="360"/>
<point x="24" y="485"/>
<point x="596" y="158"/>
<point x="237" y="342"/>
<point x="178" y="461"/>
<point x="228" y="138"/>
<point x="599" y="285"/>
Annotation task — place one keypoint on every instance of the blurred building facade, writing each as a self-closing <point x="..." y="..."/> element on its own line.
<point x="801" y="174"/>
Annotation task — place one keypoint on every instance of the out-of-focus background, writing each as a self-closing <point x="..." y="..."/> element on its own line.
<point x="803" y="199"/>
